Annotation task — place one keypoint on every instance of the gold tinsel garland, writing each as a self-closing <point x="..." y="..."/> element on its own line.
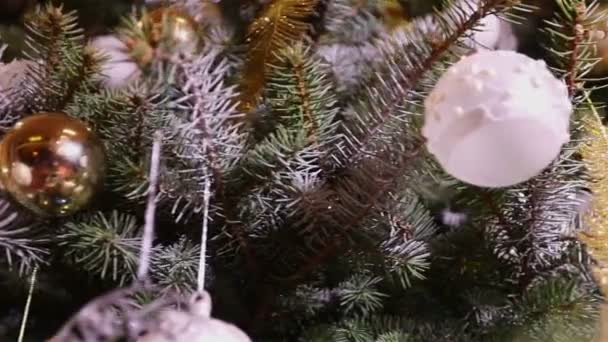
<point x="279" y="25"/>
<point x="595" y="154"/>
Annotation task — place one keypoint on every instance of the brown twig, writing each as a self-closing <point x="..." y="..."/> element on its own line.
<point x="575" y="45"/>
<point x="310" y="122"/>
<point x="75" y="83"/>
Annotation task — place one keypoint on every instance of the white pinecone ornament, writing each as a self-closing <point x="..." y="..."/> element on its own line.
<point x="194" y="325"/>
<point x="497" y="118"/>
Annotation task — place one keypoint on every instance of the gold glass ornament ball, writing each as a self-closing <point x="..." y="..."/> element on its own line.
<point x="174" y="27"/>
<point x="51" y="163"/>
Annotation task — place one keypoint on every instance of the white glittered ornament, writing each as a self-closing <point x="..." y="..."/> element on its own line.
<point x="194" y="325"/>
<point x="497" y="118"/>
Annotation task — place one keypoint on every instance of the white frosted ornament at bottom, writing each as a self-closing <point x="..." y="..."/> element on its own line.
<point x="497" y="118"/>
<point x="188" y="328"/>
<point x="194" y="325"/>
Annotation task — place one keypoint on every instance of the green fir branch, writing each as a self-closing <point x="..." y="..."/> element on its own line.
<point x="404" y="230"/>
<point x="394" y="337"/>
<point x="106" y="245"/>
<point x="299" y="93"/>
<point x="375" y="328"/>
<point x="278" y="176"/>
<point x="308" y="300"/>
<point x="22" y="247"/>
<point x="359" y="295"/>
<point x="352" y="331"/>
<point x="570" y="42"/>
<point x="61" y="65"/>
<point x="125" y="121"/>
<point x="381" y="146"/>
<point x="175" y="267"/>
<point x="556" y="309"/>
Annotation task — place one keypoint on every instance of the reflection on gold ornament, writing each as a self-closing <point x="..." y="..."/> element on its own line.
<point x="174" y="27"/>
<point x="51" y="163"/>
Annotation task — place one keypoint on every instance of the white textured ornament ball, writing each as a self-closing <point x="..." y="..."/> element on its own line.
<point x="183" y="327"/>
<point x="497" y="118"/>
<point x="194" y="325"/>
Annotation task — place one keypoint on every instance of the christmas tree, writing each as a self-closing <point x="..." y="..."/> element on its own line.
<point x="306" y="164"/>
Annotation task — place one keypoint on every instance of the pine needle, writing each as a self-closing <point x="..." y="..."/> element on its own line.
<point x="280" y="24"/>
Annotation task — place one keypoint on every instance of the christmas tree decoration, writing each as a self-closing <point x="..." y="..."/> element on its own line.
<point x="289" y="178"/>
<point x="173" y="28"/>
<point x="483" y="113"/>
<point x="594" y="213"/>
<point x="279" y="25"/>
<point x="51" y="163"/>
<point x="166" y="319"/>
<point x="193" y="325"/>
<point x="161" y="33"/>
<point x="119" y="69"/>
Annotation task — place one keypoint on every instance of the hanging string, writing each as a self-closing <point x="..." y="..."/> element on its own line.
<point x="28" y="303"/>
<point x="148" y="237"/>
<point x="203" y="262"/>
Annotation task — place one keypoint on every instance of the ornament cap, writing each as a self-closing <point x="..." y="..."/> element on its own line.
<point x="200" y="304"/>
